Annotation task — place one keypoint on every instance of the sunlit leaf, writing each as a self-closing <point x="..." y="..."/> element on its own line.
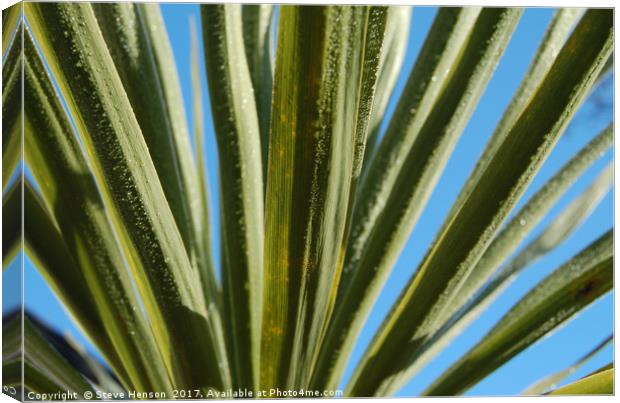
<point x="407" y="185"/>
<point x="526" y="219"/>
<point x="319" y="190"/>
<point x="558" y="31"/>
<point x="392" y="58"/>
<point x="469" y="230"/>
<point x="598" y="383"/>
<point x="212" y="290"/>
<point x="550" y="381"/>
<point x="192" y="175"/>
<point x="556" y="232"/>
<point x="441" y="51"/>
<point x="70" y="193"/>
<point x="320" y="62"/>
<point x="241" y="184"/>
<point x="10" y="17"/>
<point x="11" y="106"/>
<point x="566" y="291"/>
<point x="52" y="257"/>
<point x="126" y="177"/>
<point x="257" y="23"/>
<point x="139" y="47"/>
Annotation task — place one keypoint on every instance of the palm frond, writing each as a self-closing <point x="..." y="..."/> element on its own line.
<point x="390" y="65"/>
<point x="45" y="369"/>
<point x="321" y="61"/>
<point x="11" y="223"/>
<point x="10" y="19"/>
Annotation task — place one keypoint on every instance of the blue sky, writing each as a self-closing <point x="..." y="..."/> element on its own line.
<point x="550" y="354"/>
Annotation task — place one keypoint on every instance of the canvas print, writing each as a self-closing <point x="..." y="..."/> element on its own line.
<point x="220" y="201"/>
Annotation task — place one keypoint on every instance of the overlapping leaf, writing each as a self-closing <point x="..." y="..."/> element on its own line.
<point x="257" y="23"/>
<point x="601" y="382"/>
<point x="69" y="191"/>
<point x="315" y="209"/>
<point x="469" y="230"/>
<point x="126" y="177"/>
<point x="45" y="370"/>
<point x="314" y="155"/>
<point x="10" y="18"/>
<point x="551" y="380"/>
<point x="556" y="299"/>
<point x="392" y="57"/>
<point x="11" y="223"/>
<point x="241" y="184"/>
<point x="415" y="166"/>
<point x="11" y="106"/>
<point x="558" y="230"/>
<point x="139" y="46"/>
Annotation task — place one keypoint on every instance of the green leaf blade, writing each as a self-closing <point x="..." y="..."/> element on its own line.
<point x="238" y="137"/>
<point x="599" y="383"/>
<point x="328" y="57"/>
<point x="509" y="238"/>
<point x="56" y="160"/>
<point x="10" y="19"/>
<point x="441" y="50"/>
<point x="11" y="223"/>
<point x="466" y="234"/>
<point x="556" y="299"/>
<point x="130" y="187"/>
<point x="138" y="44"/>
<point x="12" y="100"/>
<point x="52" y="365"/>
<point x="52" y="257"/>
<point x="257" y="30"/>
<point x="556" y="232"/>
<point x="392" y="58"/>
<point x="419" y="172"/>
<point x="550" y="381"/>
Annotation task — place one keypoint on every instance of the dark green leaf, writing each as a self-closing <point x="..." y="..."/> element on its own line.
<point x="50" y="363"/>
<point x="139" y="47"/>
<point x="325" y="77"/>
<point x="11" y="223"/>
<point x="241" y="185"/>
<point x="10" y="17"/>
<point x="51" y="256"/>
<point x="558" y="230"/>
<point x="12" y="107"/>
<point x="392" y="57"/>
<point x="526" y="219"/>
